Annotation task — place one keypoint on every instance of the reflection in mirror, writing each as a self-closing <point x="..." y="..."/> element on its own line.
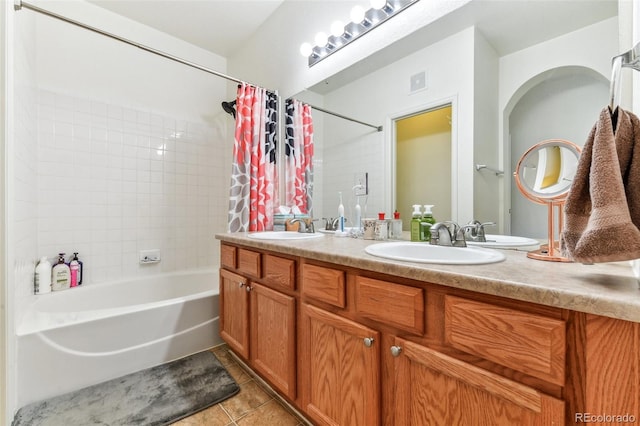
<point x="512" y="95"/>
<point x="548" y="171"/>
<point x="544" y="175"/>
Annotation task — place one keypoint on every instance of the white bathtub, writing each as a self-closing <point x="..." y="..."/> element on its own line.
<point x="82" y="336"/>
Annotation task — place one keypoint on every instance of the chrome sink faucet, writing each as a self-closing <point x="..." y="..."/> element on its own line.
<point x="447" y="234"/>
<point x="306" y="225"/>
<point x="474" y="231"/>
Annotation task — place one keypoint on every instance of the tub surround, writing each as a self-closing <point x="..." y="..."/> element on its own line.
<point x="348" y="338"/>
<point x="609" y="289"/>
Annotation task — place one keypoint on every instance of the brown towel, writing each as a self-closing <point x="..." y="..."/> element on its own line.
<point x="602" y="212"/>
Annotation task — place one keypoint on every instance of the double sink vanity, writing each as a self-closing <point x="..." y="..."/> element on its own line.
<point x="352" y="338"/>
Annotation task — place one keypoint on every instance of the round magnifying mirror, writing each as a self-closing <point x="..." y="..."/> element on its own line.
<point x="546" y="170"/>
<point x="544" y="175"/>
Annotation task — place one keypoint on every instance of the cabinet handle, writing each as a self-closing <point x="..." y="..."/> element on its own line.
<point x="396" y="350"/>
<point x="248" y="289"/>
<point x="368" y="341"/>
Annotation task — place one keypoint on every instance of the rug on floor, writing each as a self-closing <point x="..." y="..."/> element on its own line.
<point x="156" y="396"/>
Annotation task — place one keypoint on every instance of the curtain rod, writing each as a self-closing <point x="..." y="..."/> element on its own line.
<point x="19" y="4"/>
<point x="378" y="128"/>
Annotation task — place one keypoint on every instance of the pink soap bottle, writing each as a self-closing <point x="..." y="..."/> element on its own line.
<point x="76" y="270"/>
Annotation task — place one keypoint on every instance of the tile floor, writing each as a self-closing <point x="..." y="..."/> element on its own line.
<point x="254" y="405"/>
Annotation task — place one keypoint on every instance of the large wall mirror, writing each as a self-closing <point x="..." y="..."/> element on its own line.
<point x="467" y="60"/>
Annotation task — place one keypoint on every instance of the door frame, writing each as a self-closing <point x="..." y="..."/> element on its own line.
<point x="390" y="173"/>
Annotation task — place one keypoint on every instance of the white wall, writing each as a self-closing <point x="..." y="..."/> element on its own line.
<point x="112" y="150"/>
<point x="4" y="33"/>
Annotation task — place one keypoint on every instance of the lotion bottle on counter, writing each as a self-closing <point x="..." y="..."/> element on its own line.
<point x="60" y="275"/>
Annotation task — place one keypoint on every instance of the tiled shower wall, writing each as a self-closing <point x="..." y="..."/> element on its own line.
<point x="113" y="181"/>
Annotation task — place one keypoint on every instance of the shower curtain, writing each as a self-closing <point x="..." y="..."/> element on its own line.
<point x="254" y="174"/>
<point x="299" y="156"/>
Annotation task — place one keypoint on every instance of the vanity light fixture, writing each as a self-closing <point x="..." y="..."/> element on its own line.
<point x="361" y="22"/>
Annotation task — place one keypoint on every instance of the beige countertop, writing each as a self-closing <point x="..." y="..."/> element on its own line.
<point x="603" y="289"/>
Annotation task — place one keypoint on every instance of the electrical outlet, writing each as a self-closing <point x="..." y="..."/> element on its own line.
<point x="361" y="185"/>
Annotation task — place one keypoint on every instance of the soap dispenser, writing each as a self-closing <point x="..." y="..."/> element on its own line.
<point x="427" y="221"/>
<point x="416" y="218"/>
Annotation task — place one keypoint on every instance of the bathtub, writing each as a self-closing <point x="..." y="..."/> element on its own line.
<point x="75" y="338"/>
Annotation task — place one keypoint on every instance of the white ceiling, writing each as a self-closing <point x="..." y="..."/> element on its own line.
<point x="219" y="26"/>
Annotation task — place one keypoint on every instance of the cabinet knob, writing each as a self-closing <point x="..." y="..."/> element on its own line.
<point x="248" y="289"/>
<point x="396" y="350"/>
<point x="368" y="341"/>
<point x="240" y="284"/>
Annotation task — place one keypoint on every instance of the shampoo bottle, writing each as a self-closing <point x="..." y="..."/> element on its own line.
<point x="43" y="276"/>
<point x="416" y="218"/>
<point x="60" y="275"/>
<point x="74" y="268"/>
<point x="426" y="223"/>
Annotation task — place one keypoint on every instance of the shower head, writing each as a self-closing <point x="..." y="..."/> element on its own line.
<point x="229" y="108"/>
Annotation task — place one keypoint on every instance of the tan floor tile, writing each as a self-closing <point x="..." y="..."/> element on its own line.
<point x="223" y="355"/>
<point x="212" y="416"/>
<point x="250" y="397"/>
<point x="271" y="413"/>
<point x="238" y="373"/>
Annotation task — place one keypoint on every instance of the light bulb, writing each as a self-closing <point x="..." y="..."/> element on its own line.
<point x="357" y="14"/>
<point x="337" y="28"/>
<point x="306" y="49"/>
<point x="321" y="39"/>
<point x="378" y="4"/>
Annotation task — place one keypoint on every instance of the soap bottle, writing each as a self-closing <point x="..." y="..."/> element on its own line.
<point x="75" y="266"/>
<point x="426" y="223"/>
<point x="395" y="231"/>
<point x="42" y="283"/>
<point x="60" y="275"/>
<point x="416" y="218"/>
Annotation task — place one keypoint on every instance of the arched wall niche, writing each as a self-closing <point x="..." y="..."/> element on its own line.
<point x="559" y="103"/>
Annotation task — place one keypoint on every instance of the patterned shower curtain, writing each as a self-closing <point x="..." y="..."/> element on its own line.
<point x="299" y="156"/>
<point x="254" y="177"/>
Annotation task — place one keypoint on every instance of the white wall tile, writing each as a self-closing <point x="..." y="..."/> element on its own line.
<point x="138" y="180"/>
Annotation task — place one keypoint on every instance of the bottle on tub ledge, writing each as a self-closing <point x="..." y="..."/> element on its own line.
<point x="60" y="275"/>
<point x="42" y="284"/>
<point x="75" y="267"/>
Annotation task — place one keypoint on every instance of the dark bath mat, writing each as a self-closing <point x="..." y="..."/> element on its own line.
<point x="156" y="396"/>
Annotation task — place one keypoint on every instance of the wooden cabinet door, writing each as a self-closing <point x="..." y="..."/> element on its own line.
<point x="273" y="337"/>
<point x="341" y="370"/>
<point x="234" y="311"/>
<point x="436" y="389"/>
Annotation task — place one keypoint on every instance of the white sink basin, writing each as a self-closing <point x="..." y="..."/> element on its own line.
<point x="283" y="235"/>
<point x="506" y="241"/>
<point x="427" y="253"/>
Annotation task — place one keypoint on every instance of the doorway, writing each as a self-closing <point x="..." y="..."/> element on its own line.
<point x="423" y="163"/>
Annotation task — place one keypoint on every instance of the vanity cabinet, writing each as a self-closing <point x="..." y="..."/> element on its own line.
<point x="348" y="346"/>
<point x="257" y="320"/>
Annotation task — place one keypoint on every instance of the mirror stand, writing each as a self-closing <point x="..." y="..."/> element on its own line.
<point x="551" y="250"/>
<point x="544" y="175"/>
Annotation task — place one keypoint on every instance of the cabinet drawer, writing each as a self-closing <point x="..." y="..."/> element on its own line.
<point x="530" y="343"/>
<point x="249" y="262"/>
<point x="279" y="272"/>
<point x="228" y="256"/>
<point x="394" y="304"/>
<point x="324" y="284"/>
